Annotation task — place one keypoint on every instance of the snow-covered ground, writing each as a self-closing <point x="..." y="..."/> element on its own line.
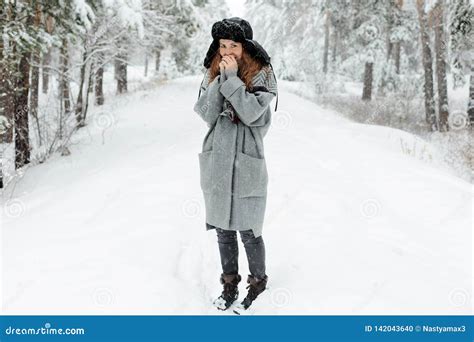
<point x="360" y="219"/>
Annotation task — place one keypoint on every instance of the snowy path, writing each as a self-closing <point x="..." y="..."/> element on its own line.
<point x="353" y="226"/>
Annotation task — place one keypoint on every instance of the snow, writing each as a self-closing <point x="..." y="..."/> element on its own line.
<point x="237" y="8"/>
<point x="360" y="219"/>
<point x="429" y="5"/>
<point x="85" y="12"/>
<point x="129" y="13"/>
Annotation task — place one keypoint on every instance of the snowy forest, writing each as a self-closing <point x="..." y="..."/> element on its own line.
<point x="393" y="62"/>
<point x="369" y="155"/>
<point x="55" y="56"/>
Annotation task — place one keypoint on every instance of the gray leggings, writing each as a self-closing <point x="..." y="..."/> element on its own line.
<point x="229" y="251"/>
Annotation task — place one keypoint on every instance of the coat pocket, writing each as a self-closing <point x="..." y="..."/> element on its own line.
<point x="251" y="176"/>
<point x="205" y="168"/>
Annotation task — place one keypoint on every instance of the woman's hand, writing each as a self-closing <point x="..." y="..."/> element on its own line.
<point x="229" y="63"/>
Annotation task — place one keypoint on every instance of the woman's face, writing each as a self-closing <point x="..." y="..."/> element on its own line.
<point x="229" y="47"/>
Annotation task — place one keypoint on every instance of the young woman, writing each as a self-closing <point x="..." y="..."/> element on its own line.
<point x="234" y="101"/>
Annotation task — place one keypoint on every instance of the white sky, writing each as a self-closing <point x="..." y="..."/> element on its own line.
<point x="236" y="7"/>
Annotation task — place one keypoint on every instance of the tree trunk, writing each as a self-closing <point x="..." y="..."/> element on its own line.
<point x="21" y="109"/>
<point x="396" y="52"/>
<point x="389" y="49"/>
<point x="34" y="84"/>
<point x="146" y="64"/>
<point x="121" y="73"/>
<point x="335" y="43"/>
<point x="79" y="104"/>
<point x="326" y="42"/>
<point x="35" y="77"/>
<point x="3" y="81"/>
<point x="64" y="85"/>
<point x="157" y="60"/>
<point x="355" y="14"/>
<point x="388" y="43"/>
<point x="99" y="76"/>
<point x="427" y="67"/>
<point x="45" y="70"/>
<point x="34" y="92"/>
<point x="89" y="91"/>
<point x="9" y="98"/>
<point x="90" y="83"/>
<point x="22" y="141"/>
<point x="470" y="106"/>
<point x="64" y="79"/>
<point x="9" y="63"/>
<point x="3" y="93"/>
<point x="441" y="80"/>
<point x="367" y="91"/>
<point x="47" y="56"/>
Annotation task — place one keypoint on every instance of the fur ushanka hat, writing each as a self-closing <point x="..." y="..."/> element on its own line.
<point x="238" y="30"/>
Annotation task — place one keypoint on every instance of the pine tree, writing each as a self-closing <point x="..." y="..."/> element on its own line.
<point x="430" y="113"/>
<point x="440" y="49"/>
<point x="462" y="44"/>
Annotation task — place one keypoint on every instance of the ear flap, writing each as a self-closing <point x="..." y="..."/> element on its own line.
<point x="257" y="51"/>
<point x="213" y="48"/>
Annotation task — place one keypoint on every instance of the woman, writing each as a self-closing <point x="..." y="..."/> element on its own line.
<point x="234" y="101"/>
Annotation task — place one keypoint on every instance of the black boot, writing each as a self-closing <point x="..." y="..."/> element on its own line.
<point x="255" y="287"/>
<point x="230" y="292"/>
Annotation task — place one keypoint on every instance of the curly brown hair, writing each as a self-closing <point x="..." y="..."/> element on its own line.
<point x="247" y="69"/>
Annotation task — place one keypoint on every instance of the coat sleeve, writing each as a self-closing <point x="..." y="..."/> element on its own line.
<point x="250" y="106"/>
<point x="210" y="101"/>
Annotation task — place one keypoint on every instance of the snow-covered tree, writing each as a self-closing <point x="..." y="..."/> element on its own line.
<point x="462" y="48"/>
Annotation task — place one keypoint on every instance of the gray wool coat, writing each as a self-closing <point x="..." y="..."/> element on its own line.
<point x="233" y="171"/>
